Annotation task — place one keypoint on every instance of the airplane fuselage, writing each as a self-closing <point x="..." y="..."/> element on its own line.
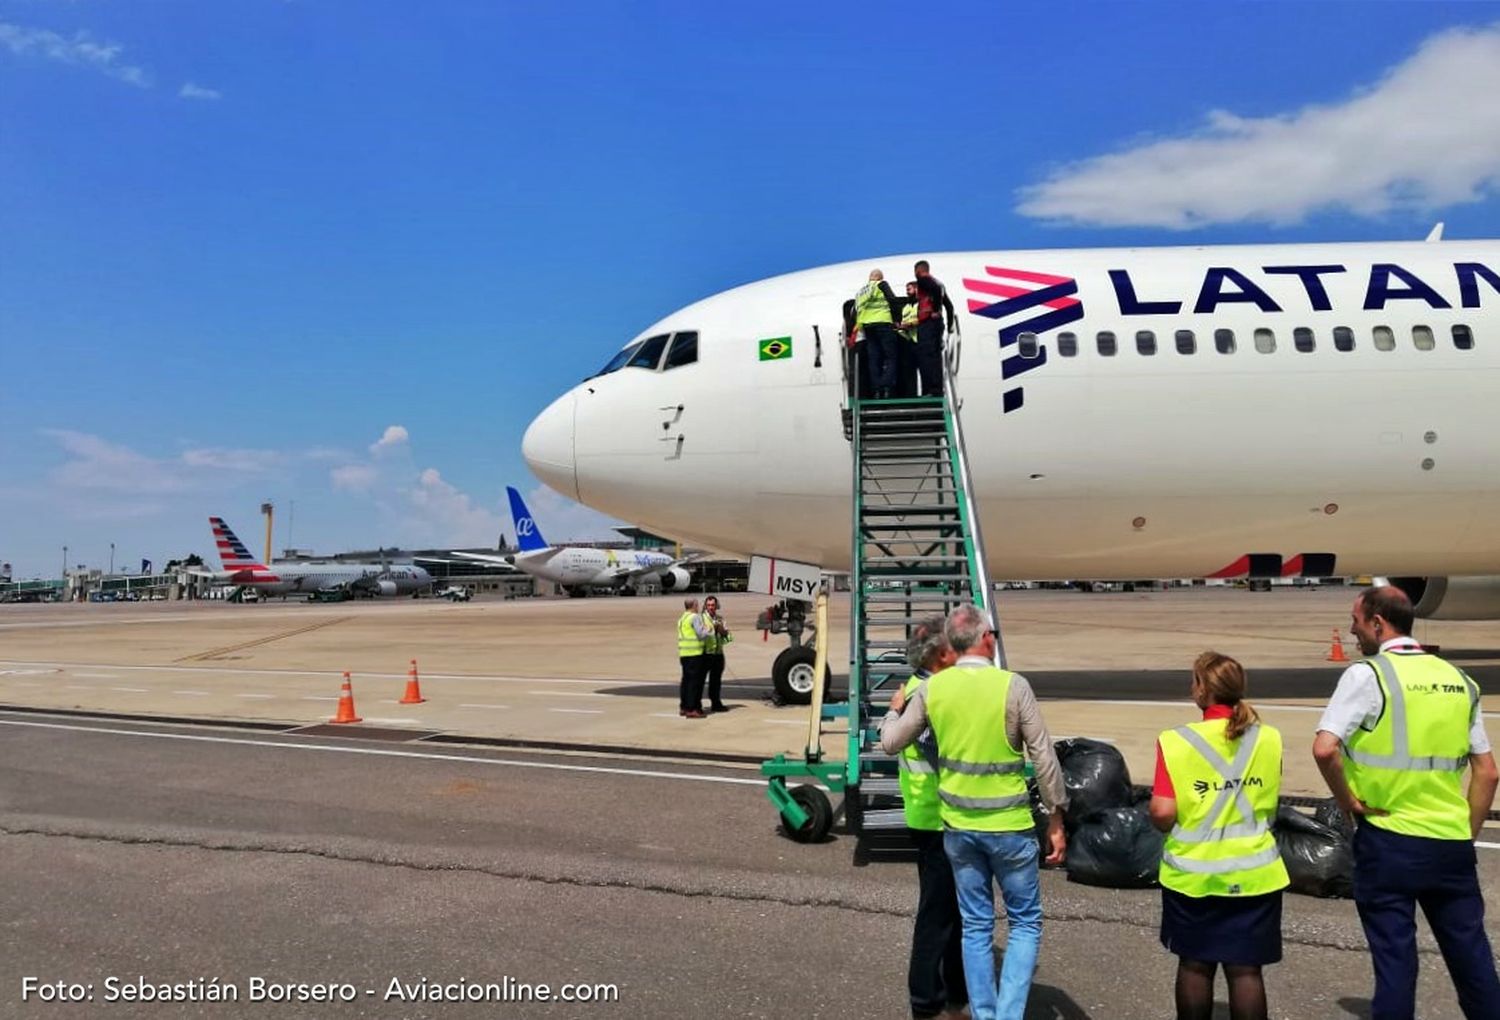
<point x="1128" y="413"/>
<point x="585" y="567"/>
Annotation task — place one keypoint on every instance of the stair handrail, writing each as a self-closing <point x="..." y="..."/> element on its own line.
<point x="981" y="578"/>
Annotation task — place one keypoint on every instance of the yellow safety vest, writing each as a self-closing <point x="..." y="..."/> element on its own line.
<point x="689" y="643"/>
<point x="1226" y="797"/>
<point x="870" y="305"/>
<point x="1411" y="764"/>
<point x="909" y="321"/>
<point x="981" y="778"/>
<point x="713" y="644"/>
<point x="919" y="779"/>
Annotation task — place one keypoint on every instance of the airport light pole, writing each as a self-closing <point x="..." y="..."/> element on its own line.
<point x="65" y="563"/>
<point x="268" y="509"/>
<point x="111" y="558"/>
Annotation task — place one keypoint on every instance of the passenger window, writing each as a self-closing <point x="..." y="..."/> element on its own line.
<point x="1463" y="338"/>
<point x="1303" y="341"/>
<point x="1343" y="338"/>
<point x="684" y="350"/>
<point x="1067" y="344"/>
<point x="618" y="361"/>
<point x="1029" y="348"/>
<point x="1385" y="339"/>
<point x="1145" y="341"/>
<point x="649" y="353"/>
<point x="1423" y="338"/>
<point x="1107" y="343"/>
<point x="1186" y="342"/>
<point x="1224" y="341"/>
<point x="1265" y="341"/>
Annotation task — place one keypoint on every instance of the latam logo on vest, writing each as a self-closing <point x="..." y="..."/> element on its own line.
<point x="1201" y="788"/>
<point x="1435" y="688"/>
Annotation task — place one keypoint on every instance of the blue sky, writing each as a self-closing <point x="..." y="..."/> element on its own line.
<point x="341" y="254"/>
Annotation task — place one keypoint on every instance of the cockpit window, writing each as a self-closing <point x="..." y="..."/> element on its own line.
<point x="618" y="361"/>
<point x="650" y="352"/>
<point x="684" y="351"/>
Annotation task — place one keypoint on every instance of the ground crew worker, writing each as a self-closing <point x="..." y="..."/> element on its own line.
<point x="872" y="316"/>
<point x="906" y="350"/>
<point x="713" y="653"/>
<point x="1217" y="786"/>
<point x="933" y="305"/>
<point x="982" y="716"/>
<point x="691" y="633"/>
<point x="935" y="976"/>
<point x="1392" y="745"/>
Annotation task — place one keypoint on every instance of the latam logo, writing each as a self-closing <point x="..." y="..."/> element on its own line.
<point x="1201" y="788"/>
<point x="1030" y="302"/>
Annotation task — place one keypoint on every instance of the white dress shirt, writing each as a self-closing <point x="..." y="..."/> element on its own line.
<point x="1358" y="701"/>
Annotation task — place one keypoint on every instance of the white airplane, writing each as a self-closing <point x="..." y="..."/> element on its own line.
<point x="310" y="578"/>
<point x="579" y="568"/>
<point x="1273" y="410"/>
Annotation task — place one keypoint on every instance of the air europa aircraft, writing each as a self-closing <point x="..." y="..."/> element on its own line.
<point x="1276" y="410"/>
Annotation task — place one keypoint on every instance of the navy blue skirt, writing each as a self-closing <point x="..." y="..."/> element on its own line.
<point x="1238" y="930"/>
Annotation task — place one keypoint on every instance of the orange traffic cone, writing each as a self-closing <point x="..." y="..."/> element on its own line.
<point x="1336" y="653"/>
<point x="346" y="703"/>
<point x="413" y="695"/>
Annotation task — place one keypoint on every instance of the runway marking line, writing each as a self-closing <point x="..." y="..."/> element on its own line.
<point x="260" y="697"/>
<point x="80" y="687"/>
<point x="467" y="704"/>
<point x="568" y="694"/>
<point x="194" y="694"/>
<point x="386" y="752"/>
<point x="497" y="678"/>
<point x="579" y="711"/>
<point x="131" y="690"/>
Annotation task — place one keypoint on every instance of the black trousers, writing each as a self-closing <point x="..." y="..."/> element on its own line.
<point x="935" y="978"/>
<point x="713" y="672"/>
<point x="906" y="368"/>
<point x="930" y="357"/>
<point x="1393" y="875"/>
<point x="690" y="690"/>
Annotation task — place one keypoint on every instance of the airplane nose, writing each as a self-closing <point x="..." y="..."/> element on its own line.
<point x="548" y="446"/>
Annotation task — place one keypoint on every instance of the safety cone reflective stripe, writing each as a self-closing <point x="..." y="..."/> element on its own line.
<point x="1336" y="652"/>
<point x="413" y="695"/>
<point x="346" y="703"/>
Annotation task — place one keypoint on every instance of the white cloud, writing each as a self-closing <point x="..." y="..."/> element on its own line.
<point x="449" y="514"/>
<point x="394" y="436"/>
<point x="192" y="91"/>
<point x="80" y="51"/>
<point x="354" y="477"/>
<point x="222" y="459"/>
<point x="1426" y="136"/>
<point x="97" y="464"/>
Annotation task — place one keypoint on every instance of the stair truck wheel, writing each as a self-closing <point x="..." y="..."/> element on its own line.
<point x="792" y="675"/>
<point x="819" y="815"/>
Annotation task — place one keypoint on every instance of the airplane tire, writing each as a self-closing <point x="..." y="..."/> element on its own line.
<point x="819" y="815"/>
<point x="792" y="675"/>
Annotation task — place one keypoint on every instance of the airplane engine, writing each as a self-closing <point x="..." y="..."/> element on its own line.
<point x="675" y="579"/>
<point x="386" y="588"/>
<point x="1452" y="598"/>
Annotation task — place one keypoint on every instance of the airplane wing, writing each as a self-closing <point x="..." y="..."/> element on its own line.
<point x="541" y="557"/>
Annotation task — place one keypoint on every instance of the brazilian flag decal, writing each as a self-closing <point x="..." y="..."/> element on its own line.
<point x="776" y="348"/>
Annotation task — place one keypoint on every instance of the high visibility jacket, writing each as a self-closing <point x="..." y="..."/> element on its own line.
<point x="688" y="641"/>
<point x="981" y="780"/>
<point x="1411" y="764"/>
<point x="713" y="644"/>
<point x="919" y="778"/>
<point x="909" y="321"/>
<point x="870" y="304"/>
<point x="1226" y="797"/>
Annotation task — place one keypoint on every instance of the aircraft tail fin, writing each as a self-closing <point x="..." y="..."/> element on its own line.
<point x="232" y="552"/>
<point x="528" y="536"/>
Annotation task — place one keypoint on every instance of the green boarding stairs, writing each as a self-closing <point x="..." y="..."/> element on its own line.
<point x="917" y="551"/>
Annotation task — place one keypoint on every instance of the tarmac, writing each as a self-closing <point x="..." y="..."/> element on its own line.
<point x="638" y="851"/>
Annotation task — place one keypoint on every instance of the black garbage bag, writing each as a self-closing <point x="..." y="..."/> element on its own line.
<point x="1096" y="777"/>
<point x="1332" y="816"/>
<point x="1116" y="847"/>
<point x="1319" y="858"/>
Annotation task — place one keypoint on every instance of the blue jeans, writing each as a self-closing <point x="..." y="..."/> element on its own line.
<point x="979" y="860"/>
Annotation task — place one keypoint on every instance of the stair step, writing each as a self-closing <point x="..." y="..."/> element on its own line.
<point x="880" y="786"/>
<point x="925" y="509"/>
<point x="883" y="819"/>
<point x="904" y="526"/>
<point x="928" y="577"/>
<point x="924" y="598"/>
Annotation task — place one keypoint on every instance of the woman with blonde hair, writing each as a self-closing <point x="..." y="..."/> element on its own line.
<point x="1217" y="785"/>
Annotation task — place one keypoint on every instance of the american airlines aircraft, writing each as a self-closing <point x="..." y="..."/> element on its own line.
<point x="579" y="568"/>
<point x="310" y="578"/>
<point x="1275" y="410"/>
